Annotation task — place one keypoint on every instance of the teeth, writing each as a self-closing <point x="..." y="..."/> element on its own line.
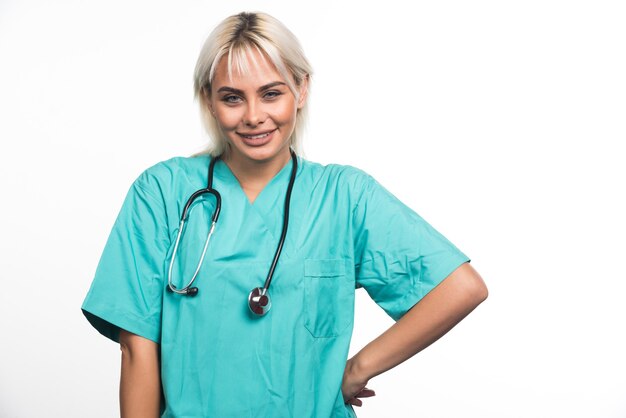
<point x="257" y="136"/>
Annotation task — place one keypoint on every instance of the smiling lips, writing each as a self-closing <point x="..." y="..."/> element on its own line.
<point x="256" y="138"/>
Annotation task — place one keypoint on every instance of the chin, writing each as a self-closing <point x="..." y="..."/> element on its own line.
<point x="263" y="153"/>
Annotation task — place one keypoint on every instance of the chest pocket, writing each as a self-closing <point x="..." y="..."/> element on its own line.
<point x="328" y="298"/>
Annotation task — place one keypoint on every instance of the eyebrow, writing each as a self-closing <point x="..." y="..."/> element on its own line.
<point x="260" y="89"/>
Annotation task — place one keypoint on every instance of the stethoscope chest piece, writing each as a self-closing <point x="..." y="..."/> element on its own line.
<point x="259" y="301"/>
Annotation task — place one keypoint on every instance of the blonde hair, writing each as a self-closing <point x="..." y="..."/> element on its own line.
<point x="236" y="37"/>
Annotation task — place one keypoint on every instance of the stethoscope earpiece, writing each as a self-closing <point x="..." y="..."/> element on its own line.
<point x="189" y="291"/>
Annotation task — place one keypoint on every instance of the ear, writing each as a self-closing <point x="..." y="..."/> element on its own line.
<point x="304" y="91"/>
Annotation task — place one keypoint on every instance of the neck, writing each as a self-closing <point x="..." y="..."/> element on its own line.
<point x="255" y="174"/>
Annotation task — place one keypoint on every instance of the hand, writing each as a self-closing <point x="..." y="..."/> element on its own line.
<point x="353" y="386"/>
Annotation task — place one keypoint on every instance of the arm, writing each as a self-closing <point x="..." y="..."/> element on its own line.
<point x="438" y="312"/>
<point x="140" y="383"/>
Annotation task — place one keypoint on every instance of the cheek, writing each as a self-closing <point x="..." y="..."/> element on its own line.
<point x="227" y="119"/>
<point x="286" y="113"/>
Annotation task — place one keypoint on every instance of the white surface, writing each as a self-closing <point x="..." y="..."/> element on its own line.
<point x="498" y="122"/>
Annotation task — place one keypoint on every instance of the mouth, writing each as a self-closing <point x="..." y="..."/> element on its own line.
<point x="256" y="135"/>
<point x="257" y="139"/>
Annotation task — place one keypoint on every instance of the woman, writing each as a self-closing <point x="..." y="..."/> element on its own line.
<point x="195" y="340"/>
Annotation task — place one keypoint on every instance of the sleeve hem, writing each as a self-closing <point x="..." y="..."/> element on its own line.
<point x="109" y="322"/>
<point x="425" y="288"/>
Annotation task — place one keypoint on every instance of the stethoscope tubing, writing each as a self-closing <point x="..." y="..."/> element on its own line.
<point x="270" y="274"/>
<point x="187" y="289"/>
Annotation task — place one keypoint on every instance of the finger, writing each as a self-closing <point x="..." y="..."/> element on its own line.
<point x="366" y="393"/>
<point x="355" y="402"/>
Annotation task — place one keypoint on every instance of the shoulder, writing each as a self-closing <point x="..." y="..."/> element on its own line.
<point x="168" y="175"/>
<point x="341" y="176"/>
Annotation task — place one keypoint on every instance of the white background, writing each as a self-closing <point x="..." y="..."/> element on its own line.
<point x="499" y="122"/>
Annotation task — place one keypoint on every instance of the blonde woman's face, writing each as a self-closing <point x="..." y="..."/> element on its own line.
<point x="256" y="112"/>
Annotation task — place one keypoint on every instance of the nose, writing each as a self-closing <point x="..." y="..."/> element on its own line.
<point x="254" y="114"/>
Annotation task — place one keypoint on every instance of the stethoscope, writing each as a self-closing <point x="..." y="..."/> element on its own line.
<point x="259" y="298"/>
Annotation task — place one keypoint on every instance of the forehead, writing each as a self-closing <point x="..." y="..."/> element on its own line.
<point x="245" y="66"/>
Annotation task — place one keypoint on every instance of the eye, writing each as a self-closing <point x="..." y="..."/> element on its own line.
<point x="272" y="94"/>
<point x="231" y="99"/>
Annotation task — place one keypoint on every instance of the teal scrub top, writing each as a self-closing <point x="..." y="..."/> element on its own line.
<point x="345" y="232"/>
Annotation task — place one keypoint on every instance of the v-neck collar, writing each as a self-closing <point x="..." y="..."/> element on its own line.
<point x="226" y="175"/>
<point x="269" y="205"/>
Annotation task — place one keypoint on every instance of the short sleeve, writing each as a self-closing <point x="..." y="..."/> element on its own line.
<point x="399" y="257"/>
<point x="127" y="289"/>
